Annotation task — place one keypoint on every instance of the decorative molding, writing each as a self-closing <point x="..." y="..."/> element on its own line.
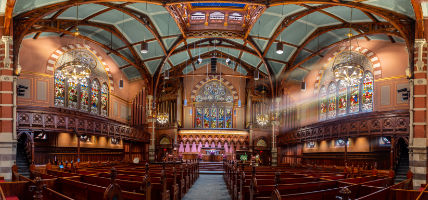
<point x="363" y="124"/>
<point x="52" y="119"/>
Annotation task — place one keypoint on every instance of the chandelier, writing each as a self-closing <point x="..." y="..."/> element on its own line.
<point x="347" y="67"/>
<point x="75" y="71"/>
<point x="262" y="119"/>
<point x="162" y="118"/>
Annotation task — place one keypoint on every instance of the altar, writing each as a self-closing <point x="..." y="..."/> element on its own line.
<point x="212" y="154"/>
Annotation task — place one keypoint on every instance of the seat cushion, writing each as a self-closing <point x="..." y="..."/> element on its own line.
<point x="12" y="198"/>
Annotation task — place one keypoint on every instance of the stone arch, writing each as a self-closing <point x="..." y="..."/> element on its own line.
<point x="371" y="56"/>
<point x="50" y="67"/>
<point x="214" y="77"/>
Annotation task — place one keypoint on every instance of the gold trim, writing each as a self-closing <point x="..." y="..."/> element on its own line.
<point x="391" y="78"/>
<point x="37" y="73"/>
<point x="128" y="102"/>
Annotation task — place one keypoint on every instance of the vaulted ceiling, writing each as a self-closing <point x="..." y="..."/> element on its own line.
<point x="305" y="28"/>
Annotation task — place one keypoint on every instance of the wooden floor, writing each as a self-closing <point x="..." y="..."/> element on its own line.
<point x="208" y="187"/>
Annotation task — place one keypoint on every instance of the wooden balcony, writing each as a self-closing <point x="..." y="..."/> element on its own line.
<point x="386" y="123"/>
<point x="53" y="119"/>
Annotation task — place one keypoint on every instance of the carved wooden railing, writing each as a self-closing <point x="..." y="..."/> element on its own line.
<point x="386" y="123"/>
<point x="65" y="120"/>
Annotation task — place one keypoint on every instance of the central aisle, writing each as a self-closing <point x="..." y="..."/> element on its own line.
<point x="208" y="187"/>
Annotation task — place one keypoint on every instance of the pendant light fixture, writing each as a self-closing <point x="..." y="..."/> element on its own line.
<point x="144" y="45"/>
<point x="279" y="45"/>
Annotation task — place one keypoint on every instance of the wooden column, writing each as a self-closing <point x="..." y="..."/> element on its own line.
<point x="392" y="154"/>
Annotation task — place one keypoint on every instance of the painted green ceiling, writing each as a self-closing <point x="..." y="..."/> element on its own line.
<point x="263" y="29"/>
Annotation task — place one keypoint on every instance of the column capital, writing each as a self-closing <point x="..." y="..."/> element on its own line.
<point x="419" y="42"/>
<point x="6" y="38"/>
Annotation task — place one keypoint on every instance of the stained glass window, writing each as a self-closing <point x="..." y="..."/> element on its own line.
<point x="84" y="95"/>
<point x="221" y="117"/>
<point x="95" y="96"/>
<point x="228" y="118"/>
<point x="354" y="98"/>
<point x="199" y="118"/>
<point x="206" y="118"/>
<point x="59" y="89"/>
<point x="213" y="106"/>
<point x="72" y="93"/>
<point x="342" y="98"/>
<point x="323" y="103"/>
<point x="213" y="117"/>
<point x="367" y="94"/>
<point x="332" y="100"/>
<point x="104" y="99"/>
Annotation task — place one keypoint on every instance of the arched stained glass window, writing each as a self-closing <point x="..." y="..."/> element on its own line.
<point x="72" y="93"/>
<point x="342" y="98"/>
<point x="367" y="94"/>
<point x="84" y="95"/>
<point x="213" y="104"/>
<point x="331" y="101"/>
<point x="104" y="99"/>
<point x="95" y="96"/>
<point x="323" y="103"/>
<point x="59" y="89"/>
<point x="81" y="91"/>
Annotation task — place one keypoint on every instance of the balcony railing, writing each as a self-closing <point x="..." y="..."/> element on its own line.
<point x="385" y="123"/>
<point x="53" y="119"/>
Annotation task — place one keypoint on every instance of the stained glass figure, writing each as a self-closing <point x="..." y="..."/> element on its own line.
<point x="206" y="118"/>
<point x="199" y="118"/>
<point x="214" y="91"/>
<point x="323" y="103"/>
<point x="72" y="93"/>
<point x="59" y="89"/>
<point x="342" y="98"/>
<point x="354" y="101"/>
<point x="104" y="99"/>
<point x="332" y="100"/>
<point x="367" y="95"/>
<point x="228" y="118"/>
<point x="84" y="95"/>
<point x="221" y="117"/>
<point x="213" y="117"/>
<point x="95" y="96"/>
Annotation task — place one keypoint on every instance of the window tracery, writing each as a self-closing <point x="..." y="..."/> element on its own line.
<point x="214" y="104"/>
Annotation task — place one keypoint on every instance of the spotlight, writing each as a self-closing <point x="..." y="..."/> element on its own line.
<point x="144" y="48"/>
<point x="227" y="61"/>
<point x="279" y="48"/>
<point x="199" y="60"/>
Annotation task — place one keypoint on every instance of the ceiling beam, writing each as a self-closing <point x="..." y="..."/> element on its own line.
<point x="58" y="30"/>
<point x="67" y="23"/>
<point x="287" y="71"/>
<point x="8" y="13"/>
<point x="362" y="27"/>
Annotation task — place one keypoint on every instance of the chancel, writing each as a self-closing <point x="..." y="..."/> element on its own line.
<point x="213" y="100"/>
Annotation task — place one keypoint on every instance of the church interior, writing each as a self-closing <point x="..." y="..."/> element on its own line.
<point x="213" y="100"/>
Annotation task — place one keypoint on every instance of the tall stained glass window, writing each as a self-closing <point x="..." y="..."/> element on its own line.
<point x="213" y="104"/>
<point x="95" y="96"/>
<point x="332" y="100"/>
<point x="342" y="98"/>
<point x="323" y="103"/>
<point x="72" y="94"/>
<point x="354" y="97"/>
<point x="199" y="119"/>
<point x="367" y="94"/>
<point x="84" y="95"/>
<point x="104" y="99"/>
<point x="59" y="89"/>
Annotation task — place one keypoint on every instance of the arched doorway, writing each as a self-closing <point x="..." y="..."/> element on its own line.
<point x="402" y="159"/>
<point x="24" y="149"/>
